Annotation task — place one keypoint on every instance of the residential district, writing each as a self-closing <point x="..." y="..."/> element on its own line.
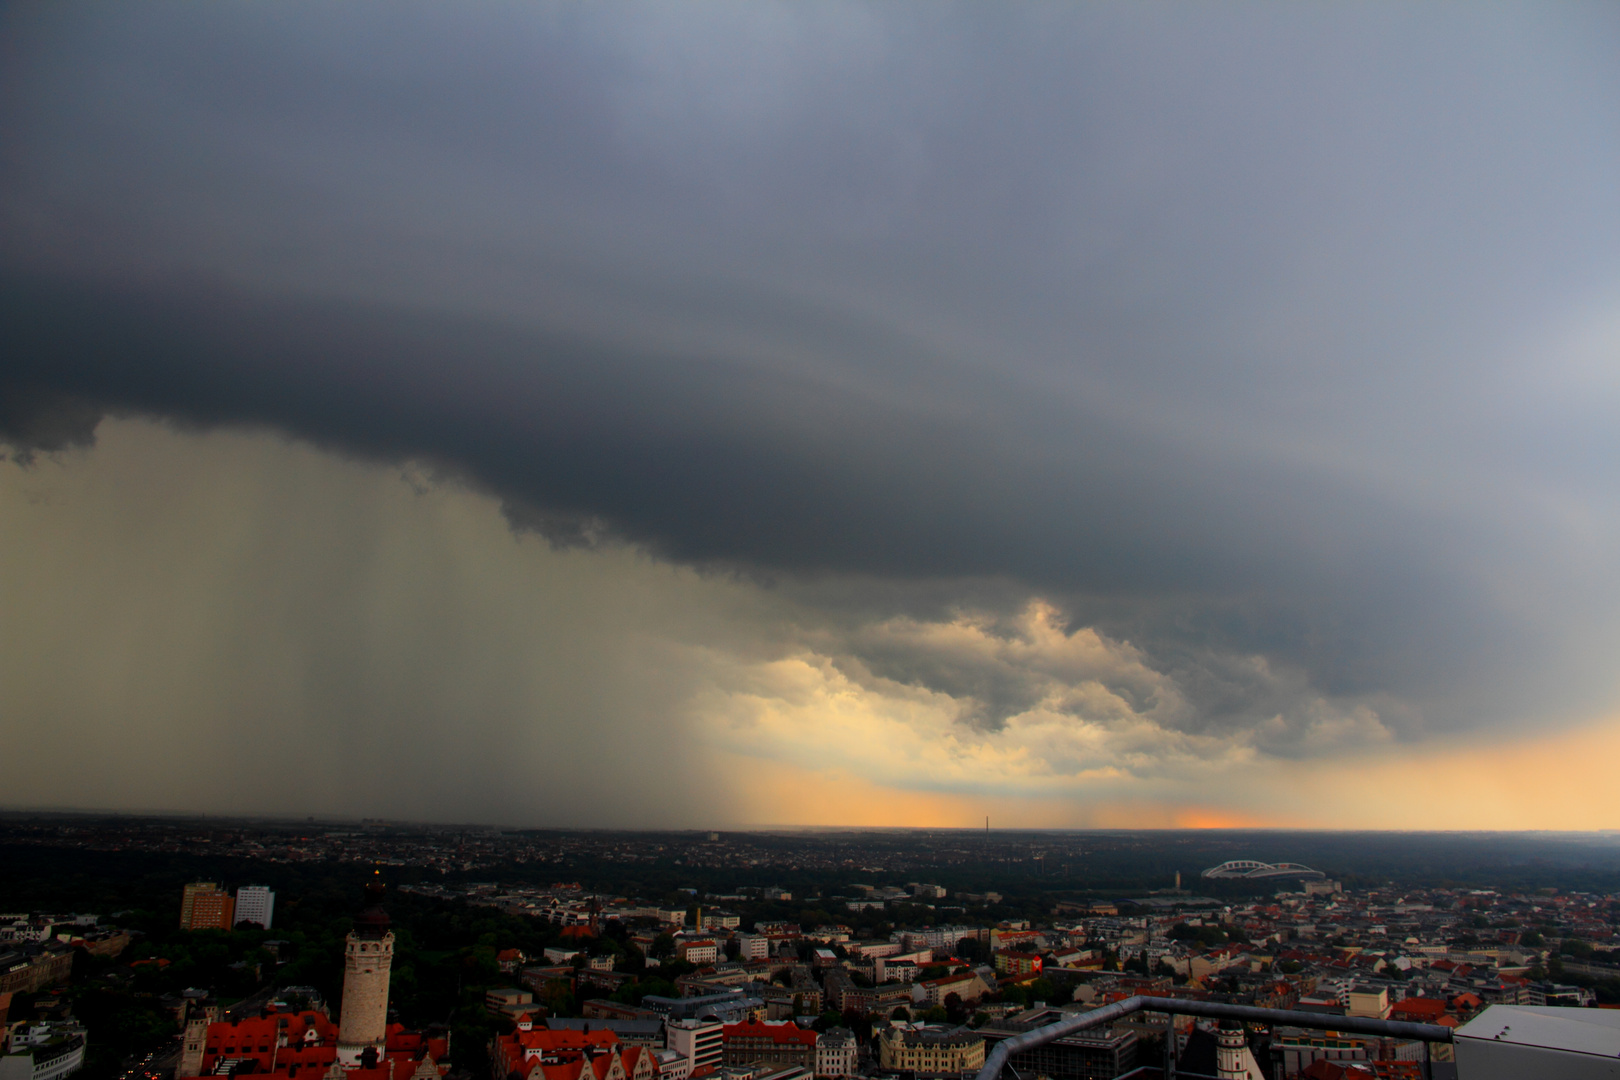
<point x="742" y="999"/>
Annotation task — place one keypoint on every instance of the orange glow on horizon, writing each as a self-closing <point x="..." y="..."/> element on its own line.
<point x="776" y="793"/>
<point x="1557" y="782"/>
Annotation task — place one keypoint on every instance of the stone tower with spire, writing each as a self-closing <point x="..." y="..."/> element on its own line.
<point x="367" y="957"/>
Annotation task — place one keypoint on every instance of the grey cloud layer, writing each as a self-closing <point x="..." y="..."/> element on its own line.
<point x="1240" y="332"/>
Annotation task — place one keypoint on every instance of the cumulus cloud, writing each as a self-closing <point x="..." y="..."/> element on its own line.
<point x="979" y="703"/>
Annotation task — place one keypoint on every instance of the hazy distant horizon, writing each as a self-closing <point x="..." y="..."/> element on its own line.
<point x="318" y="819"/>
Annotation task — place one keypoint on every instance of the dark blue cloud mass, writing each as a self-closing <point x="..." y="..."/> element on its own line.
<point x="1235" y="330"/>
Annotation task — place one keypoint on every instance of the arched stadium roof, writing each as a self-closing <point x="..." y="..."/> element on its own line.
<point x="1251" y="868"/>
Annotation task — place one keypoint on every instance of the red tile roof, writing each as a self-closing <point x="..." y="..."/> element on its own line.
<point x="784" y="1032"/>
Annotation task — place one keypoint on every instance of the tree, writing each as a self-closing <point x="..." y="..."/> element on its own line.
<point x="663" y="945"/>
<point x="934" y="1014"/>
<point x="900" y="1013"/>
<point x="733" y="949"/>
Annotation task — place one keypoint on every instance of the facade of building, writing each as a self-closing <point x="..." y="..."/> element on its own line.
<point x="760" y="1043"/>
<point x="508" y="1001"/>
<point x="967" y="986"/>
<point x="46" y="1051"/>
<point x="255" y="904"/>
<point x="671" y="1065"/>
<point x="701" y="951"/>
<point x="23" y="930"/>
<point x="1085" y="1055"/>
<point x="1370" y="1001"/>
<point x="206" y="906"/>
<point x="874" y="1000"/>
<point x="701" y="1042"/>
<point x="1018" y="964"/>
<point x="930" y="1051"/>
<point x="837" y="1053"/>
<point x="34" y="967"/>
<point x="1299" y="1048"/>
<point x="754" y="947"/>
<point x="543" y="1054"/>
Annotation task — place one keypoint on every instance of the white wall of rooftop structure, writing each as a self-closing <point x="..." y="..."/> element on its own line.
<point x="46" y="1051"/>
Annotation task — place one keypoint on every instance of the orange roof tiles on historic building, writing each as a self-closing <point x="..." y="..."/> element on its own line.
<point x="543" y="1054"/>
<point x="285" y="1046"/>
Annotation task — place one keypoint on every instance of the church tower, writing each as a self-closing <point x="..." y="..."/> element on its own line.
<point x="1233" y="1058"/>
<point x="367" y="957"/>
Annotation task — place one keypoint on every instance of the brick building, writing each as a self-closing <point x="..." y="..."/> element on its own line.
<point x="757" y="1042"/>
<point x="206" y="906"/>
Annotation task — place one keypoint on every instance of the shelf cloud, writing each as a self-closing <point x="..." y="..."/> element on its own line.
<point x="1125" y="385"/>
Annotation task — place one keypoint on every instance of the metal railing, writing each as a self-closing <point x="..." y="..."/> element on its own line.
<point x="996" y="1060"/>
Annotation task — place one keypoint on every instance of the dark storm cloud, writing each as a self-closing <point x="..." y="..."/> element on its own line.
<point x="1243" y="329"/>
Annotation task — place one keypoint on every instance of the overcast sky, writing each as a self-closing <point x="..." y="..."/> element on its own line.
<point x="728" y="414"/>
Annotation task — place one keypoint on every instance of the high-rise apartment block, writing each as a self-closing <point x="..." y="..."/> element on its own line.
<point x="206" y="906"/>
<point x="255" y="904"/>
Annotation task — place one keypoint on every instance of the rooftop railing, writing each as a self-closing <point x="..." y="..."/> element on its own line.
<point x="996" y="1060"/>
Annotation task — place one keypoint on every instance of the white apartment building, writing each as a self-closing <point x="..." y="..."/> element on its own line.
<point x="47" y="1051"/>
<point x="872" y="949"/>
<point x="672" y="1065"/>
<point x="700" y="1042"/>
<point x="897" y="960"/>
<point x="702" y="951"/>
<point x="754" y="946"/>
<point x="255" y="904"/>
<point x="837" y="1053"/>
<point x="26" y="930"/>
